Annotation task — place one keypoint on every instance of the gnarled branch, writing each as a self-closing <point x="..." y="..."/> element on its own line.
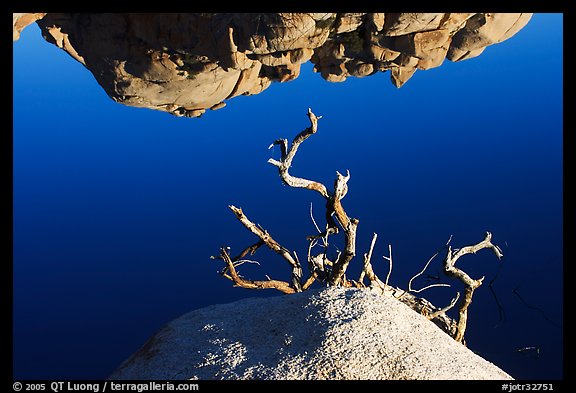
<point x="344" y="258"/>
<point x="368" y="271"/>
<point x="334" y="271"/>
<point x="438" y="312"/>
<point x="287" y="155"/>
<point x="273" y="245"/>
<point x="231" y="274"/>
<point x="333" y="205"/>
<point x="471" y="284"/>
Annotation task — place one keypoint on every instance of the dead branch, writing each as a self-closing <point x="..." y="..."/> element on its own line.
<point x="310" y="281"/>
<point x="231" y="274"/>
<point x="426" y="308"/>
<point x="250" y="250"/>
<point x="333" y="206"/>
<point x="349" y="225"/>
<point x="389" y="259"/>
<point x="367" y="257"/>
<point x="323" y="235"/>
<point x="436" y="313"/>
<point x="451" y="270"/>
<point x="344" y="258"/>
<point x="422" y="271"/>
<point x="273" y="245"/>
<point x="528" y="350"/>
<point x="319" y="265"/>
<point x="334" y="271"/>
<point x="287" y="155"/>
<point x="368" y="271"/>
<point x="315" y="225"/>
<point x="241" y="262"/>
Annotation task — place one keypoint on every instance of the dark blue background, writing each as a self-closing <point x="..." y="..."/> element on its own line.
<point x="117" y="209"/>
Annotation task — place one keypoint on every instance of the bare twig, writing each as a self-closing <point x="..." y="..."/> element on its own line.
<point x="410" y="289"/>
<point x="273" y="245"/>
<point x="317" y="264"/>
<point x="345" y="257"/>
<point x="282" y="286"/>
<point x="367" y="257"/>
<point x="311" y="245"/>
<point x="296" y="257"/>
<point x="445" y="309"/>
<point x="289" y="153"/>
<point x="430" y="286"/>
<point x="248" y="250"/>
<point x="323" y="235"/>
<point x="310" y="281"/>
<point x="313" y="220"/>
<point x="389" y="259"/>
<point x="451" y="270"/>
<point x="527" y="350"/>
<point x="368" y="271"/>
<point x="243" y="261"/>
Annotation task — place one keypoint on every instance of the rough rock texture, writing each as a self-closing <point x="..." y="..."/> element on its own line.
<point x="332" y="333"/>
<point x="21" y="20"/>
<point x="187" y="63"/>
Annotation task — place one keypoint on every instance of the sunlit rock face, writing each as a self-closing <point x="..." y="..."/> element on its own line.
<point x="332" y="333"/>
<point x="187" y="63"/>
<point x="21" y="20"/>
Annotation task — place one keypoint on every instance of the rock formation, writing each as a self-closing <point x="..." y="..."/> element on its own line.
<point x="331" y="333"/>
<point x="21" y="20"/>
<point x="187" y="63"/>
